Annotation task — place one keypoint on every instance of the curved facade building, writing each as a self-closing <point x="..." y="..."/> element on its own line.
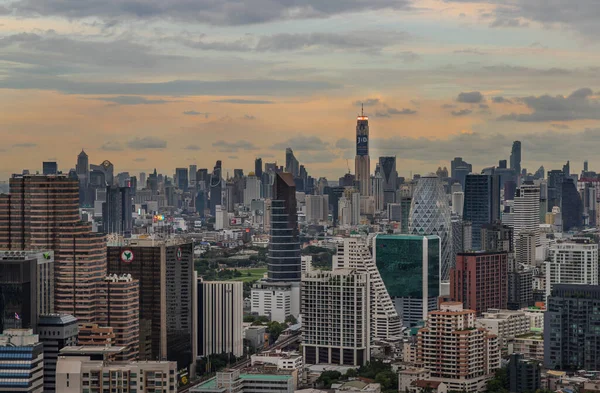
<point x="430" y="215"/>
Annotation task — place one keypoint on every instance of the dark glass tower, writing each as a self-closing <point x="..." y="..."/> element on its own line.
<point x="216" y="185"/>
<point x="117" y="211"/>
<point x="482" y="203"/>
<point x="555" y="180"/>
<point x="571" y="206"/>
<point x="182" y="180"/>
<point x="258" y="168"/>
<point x="284" y="247"/>
<point x="515" y="157"/>
<point x="49" y="168"/>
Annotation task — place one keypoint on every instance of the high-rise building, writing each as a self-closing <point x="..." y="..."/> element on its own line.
<point x="107" y="169"/>
<point x="220" y="318"/>
<point x="410" y="266"/>
<point x="389" y="173"/>
<point x="482" y="203"/>
<point x="458" y="203"/>
<point x="142" y="183"/>
<point x="317" y="208"/>
<point x="83" y="175"/>
<point x="572" y="328"/>
<point x="430" y="215"/>
<point x="117" y="211"/>
<point x="181" y="179"/>
<point x="526" y="210"/>
<point x="335" y="317"/>
<point x="49" y="168"/>
<point x="524" y="375"/>
<point x="480" y="280"/>
<point x="192" y="174"/>
<point x="455" y="352"/>
<point x="258" y="167"/>
<point x="394" y="212"/>
<point x="275" y="300"/>
<point x="506" y="324"/>
<point x="497" y="237"/>
<point x="216" y="188"/>
<point x="284" y="247"/>
<point x="253" y="189"/>
<point x="56" y="331"/>
<point x="555" y="180"/>
<point x="26" y="288"/>
<point x="23" y="361"/>
<point x="291" y="163"/>
<point x="362" y="161"/>
<point x="164" y="270"/>
<point x="354" y="253"/>
<point x="571" y="206"/>
<point x="377" y="189"/>
<point x="515" y="157"/>
<point x="571" y="262"/>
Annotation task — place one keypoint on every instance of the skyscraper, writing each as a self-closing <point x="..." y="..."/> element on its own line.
<point x="284" y="248"/>
<point x="387" y="167"/>
<point x="216" y="188"/>
<point x="515" y="158"/>
<point x="291" y="163"/>
<point x="430" y="215"/>
<point x="24" y="361"/>
<point x="526" y="211"/>
<point x="49" y="168"/>
<point x="117" y="211"/>
<point x="181" y="179"/>
<point x="362" y="161"/>
<point x="56" y="331"/>
<point x="571" y="206"/>
<point x="258" y="167"/>
<point x="482" y="203"/>
<point x="571" y="262"/>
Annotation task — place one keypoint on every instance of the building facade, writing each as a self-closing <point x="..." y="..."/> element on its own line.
<point x="482" y="203"/>
<point x="573" y="262"/>
<point x="22" y="357"/>
<point x="56" y="331"/>
<point x="362" y="161"/>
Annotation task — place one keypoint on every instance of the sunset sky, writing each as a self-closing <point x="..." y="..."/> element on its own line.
<point x="169" y="83"/>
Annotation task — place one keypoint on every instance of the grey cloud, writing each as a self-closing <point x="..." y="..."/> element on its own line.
<point x="448" y="106"/>
<point x="233" y="147"/>
<point x="192" y="147"/>
<point x="367" y="102"/>
<point x="382" y="114"/>
<point x="501" y="100"/>
<point x="369" y="41"/>
<point x="484" y="106"/>
<point x="409" y="57"/>
<point x="222" y="12"/>
<point x="131" y="100"/>
<point x="508" y="22"/>
<point x="302" y="143"/>
<point x="111" y="146"/>
<point x="344" y="144"/>
<point x="242" y="101"/>
<point x="404" y="111"/>
<point x="139" y="159"/>
<point x="318" y="157"/>
<point x="578" y="105"/>
<point x="196" y="113"/>
<point x="249" y="117"/>
<point x="25" y="145"/>
<point x="470" y="51"/>
<point x="147" y="142"/>
<point x="232" y="157"/>
<point x="560" y="126"/>
<point x="462" y="112"/>
<point x="472" y="97"/>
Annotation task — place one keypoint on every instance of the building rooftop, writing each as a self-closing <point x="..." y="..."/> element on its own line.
<point x="405" y="237"/>
<point x="531" y="336"/>
<point x="90" y="349"/>
<point x="56" y="319"/>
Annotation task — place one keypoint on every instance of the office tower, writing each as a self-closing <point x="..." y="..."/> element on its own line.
<point x="201" y="203"/>
<point x="107" y="170"/>
<point x="458" y="236"/>
<point x="520" y="287"/>
<point x="192" y="174"/>
<point x="524" y="375"/>
<point x="589" y="196"/>
<point x="23" y="356"/>
<point x="442" y="173"/>
<point x="410" y="266"/>
<point x="142" y="183"/>
<point x="83" y="175"/>
<point x="253" y="189"/>
<point x="258" y="167"/>
<point x="164" y="269"/>
<point x="220" y="318"/>
<point x="525" y="248"/>
<point x="49" y="168"/>
<point x="430" y="215"/>
<point x="405" y="204"/>
<point x="354" y="253"/>
<point x="555" y="180"/>
<point x="480" y="280"/>
<point x="317" y="208"/>
<point x="572" y="328"/>
<point x="55" y="331"/>
<point x="377" y="188"/>
<point x="540" y="173"/>
<point x="86" y="373"/>
<point x="458" y="203"/>
<point x="482" y="203"/>
<point x="291" y="163"/>
<point x="94" y="335"/>
<point x="119" y="308"/>
<point x="571" y="206"/>
<point x="354" y="199"/>
<point x="202" y="176"/>
<point x="457" y="163"/>
<point x="455" y="351"/>
<point x="394" y="212"/>
<point x="276" y="300"/>
<point x="334" y="193"/>
<point x="133" y="186"/>
<point x="335" y="317"/>
<point x="26" y="288"/>
<point x="284" y="247"/>
<point x="571" y="262"/>
<point x="216" y="188"/>
<point x="117" y="211"/>
<point x="515" y="157"/>
<point x="387" y="166"/>
<point x="152" y="183"/>
<point x="497" y="237"/>
<point x="526" y="210"/>
<point x="181" y="179"/>
<point x="362" y="161"/>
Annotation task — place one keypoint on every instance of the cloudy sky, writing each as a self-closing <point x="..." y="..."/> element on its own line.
<point x="155" y="83"/>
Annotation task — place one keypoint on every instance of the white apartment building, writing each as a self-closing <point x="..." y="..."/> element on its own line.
<point x="506" y="324"/>
<point x="275" y="300"/>
<point x="455" y="351"/>
<point x="79" y="374"/>
<point x="335" y="317"/>
<point x="526" y="211"/>
<point x="536" y="317"/>
<point x="571" y="263"/>
<point x="531" y="345"/>
<point x="354" y="253"/>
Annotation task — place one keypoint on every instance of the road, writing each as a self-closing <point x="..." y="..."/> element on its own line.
<point x="295" y="337"/>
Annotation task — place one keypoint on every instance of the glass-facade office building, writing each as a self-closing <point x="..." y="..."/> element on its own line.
<point x="410" y="266"/>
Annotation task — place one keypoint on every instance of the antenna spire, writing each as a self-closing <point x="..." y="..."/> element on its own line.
<point x="362" y="109"/>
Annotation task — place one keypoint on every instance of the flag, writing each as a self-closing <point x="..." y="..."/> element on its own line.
<point x="17" y="317"/>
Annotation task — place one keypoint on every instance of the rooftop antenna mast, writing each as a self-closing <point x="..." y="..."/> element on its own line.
<point x="362" y="109"/>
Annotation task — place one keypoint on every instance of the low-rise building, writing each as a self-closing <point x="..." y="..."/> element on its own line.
<point x="422" y="385"/>
<point x="356" y="386"/>
<point x="506" y="324"/>
<point x="523" y="375"/>
<point x="410" y="375"/>
<point x="233" y="381"/>
<point x="531" y="345"/>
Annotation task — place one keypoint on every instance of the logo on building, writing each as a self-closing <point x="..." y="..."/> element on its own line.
<point x="127" y="256"/>
<point x="179" y="254"/>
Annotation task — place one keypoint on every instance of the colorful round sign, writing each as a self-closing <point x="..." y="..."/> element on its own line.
<point x="127" y="256"/>
<point x="179" y="254"/>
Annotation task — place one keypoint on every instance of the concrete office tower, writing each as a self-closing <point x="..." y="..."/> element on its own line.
<point x="23" y="356"/>
<point x="291" y="163"/>
<point x="275" y="300"/>
<point x="317" y="208"/>
<point x="182" y="179"/>
<point x="525" y="248"/>
<point x="354" y="253"/>
<point x="526" y="210"/>
<point x="117" y="211"/>
<point x="216" y="188"/>
<point x="589" y="197"/>
<point x="430" y="215"/>
<point x="410" y="266"/>
<point x="220" y="318"/>
<point x="83" y="176"/>
<point x="55" y="331"/>
<point x="26" y="288"/>
<point x="480" y="280"/>
<point x="94" y="335"/>
<point x="362" y="161"/>
<point x="284" y="247"/>
<point x="76" y="374"/>
<point x="497" y="237"/>
<point x="524" y="375"/>
<point x="571" y="262"/>
<point x="515" y="158"/>
<point x="471" y="355"/>
<point x="142" y="183"/>
<point x="458" y="203"/>
<point x="335" y="317"/>
<point x="387" y="166"/>
<point x="119" y="308"/>
<point x="165" y="271"/>
<point x="572" y="328"/>
<point x="253" y="189"/>
<point x="355" y="208"/>
<point x="482" y="203"/>
<point x="378" y="195"/>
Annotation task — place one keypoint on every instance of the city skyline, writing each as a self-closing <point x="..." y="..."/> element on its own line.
<point x="169" y="84"/>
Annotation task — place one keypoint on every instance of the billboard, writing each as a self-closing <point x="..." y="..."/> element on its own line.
<point x="235" y="221"/>
<point x="362" y="145"/>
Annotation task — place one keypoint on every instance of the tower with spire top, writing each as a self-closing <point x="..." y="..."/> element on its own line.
<point x="362" y="161"/>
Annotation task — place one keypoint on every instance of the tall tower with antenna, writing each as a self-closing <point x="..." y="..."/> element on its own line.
<point x="362" y="161"/>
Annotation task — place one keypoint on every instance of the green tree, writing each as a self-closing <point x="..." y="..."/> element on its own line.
<point x="275" y="329"/>
<point x="328" y="377"/>
<point x="351" y="373"/>
<point x="498" y="384"/>
<point x="291" y="320"/>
